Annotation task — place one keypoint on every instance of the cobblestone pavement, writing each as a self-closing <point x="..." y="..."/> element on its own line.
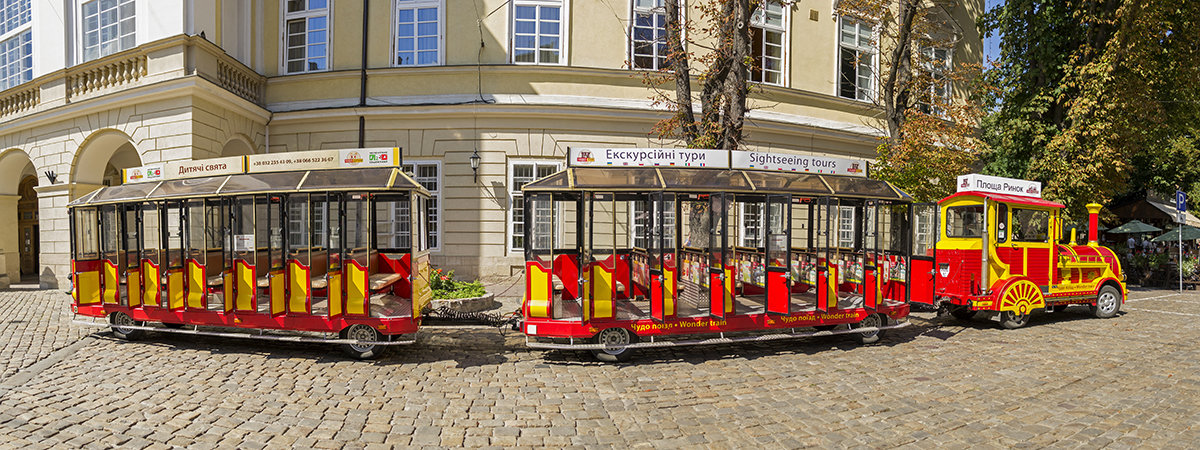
<point x="33" y="324"/>
<point x="1064" y="380"/>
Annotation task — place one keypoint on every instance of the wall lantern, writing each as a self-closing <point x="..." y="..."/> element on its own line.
<point x="475" y="164"/>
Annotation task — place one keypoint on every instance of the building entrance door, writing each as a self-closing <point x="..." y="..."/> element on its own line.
<point x="27" y="224"/>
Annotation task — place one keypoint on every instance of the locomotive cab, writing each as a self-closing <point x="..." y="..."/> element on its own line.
<point x="997" y="252"/>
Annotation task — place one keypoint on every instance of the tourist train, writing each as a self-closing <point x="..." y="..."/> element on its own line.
<point x="624" y="249"/>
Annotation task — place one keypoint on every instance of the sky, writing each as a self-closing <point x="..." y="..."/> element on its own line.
<point x="991" y="44"/>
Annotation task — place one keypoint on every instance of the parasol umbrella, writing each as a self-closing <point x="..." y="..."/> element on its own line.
<point x="1135" y="226"/>
<point x="1190" y="233"/>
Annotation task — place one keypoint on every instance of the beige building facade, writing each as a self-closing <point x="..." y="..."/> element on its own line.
<point x="102" y="85"/>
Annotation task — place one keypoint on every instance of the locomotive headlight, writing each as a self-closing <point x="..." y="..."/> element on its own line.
<point x="944" y="269"/>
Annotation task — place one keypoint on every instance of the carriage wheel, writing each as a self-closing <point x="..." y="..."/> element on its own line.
<point x="1011" y="319"/>
<point x="1108" y="302"/>
<point x="360" y="332"/>
<point x="870" y="337"/>
<point x="120" y="326"/>
<point x="614" y="336"/>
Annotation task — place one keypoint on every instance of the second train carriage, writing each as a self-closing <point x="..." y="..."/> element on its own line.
<point x="630" y="245"/>
<point x="319" y="248"/>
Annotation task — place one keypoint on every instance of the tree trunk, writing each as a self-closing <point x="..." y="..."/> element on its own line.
<point x="897" y="88"/>
<point x="679" y="64"/>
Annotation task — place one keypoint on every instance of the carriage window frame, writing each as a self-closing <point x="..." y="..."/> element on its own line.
<point x="950" y="221"/>
<point x="1017" y="231"/>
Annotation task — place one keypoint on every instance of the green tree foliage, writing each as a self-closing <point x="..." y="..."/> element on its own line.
<point x="1095" y="97"/>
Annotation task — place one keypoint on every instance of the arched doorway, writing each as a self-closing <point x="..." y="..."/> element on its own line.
<point x="102" y="156"/>
<point x="17" y="196"/>
<point x="29" y="244"/>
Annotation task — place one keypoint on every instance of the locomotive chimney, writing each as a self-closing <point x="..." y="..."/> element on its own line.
<point x="1093" y="224"/>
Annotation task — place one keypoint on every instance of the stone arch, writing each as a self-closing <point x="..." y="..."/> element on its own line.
<point x="15" y="167"/>
<point x="238" y="145"/>
<point x="101" y="157"/>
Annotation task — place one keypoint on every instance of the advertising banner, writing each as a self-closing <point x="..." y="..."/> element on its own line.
<point x="324" y="159"/>
<point x="212" y="167"/>
<point x="143" y="174"/>
<point x="999" y="185"/>
<point x="785" y="162"/>
<point x="633" y="157"/>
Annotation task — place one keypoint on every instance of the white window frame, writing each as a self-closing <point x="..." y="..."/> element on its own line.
<point x="80" y="21"/>
<point x="842" y="220"/>
<point x="564" y="28"/>
<point x="837" y="66"/>
<point x="285" y="16"/>
<point x="634" y="229"/>
<point x="756" y="20"/>
<point x="762" y="225"/>
<point x="928" y="64"/>
<point x="433" y="194"/>
<point x="398" y="5"/>
<point x="630" y="42"/>
<point x="23" y="74"/>
<point x="513" y="194"/>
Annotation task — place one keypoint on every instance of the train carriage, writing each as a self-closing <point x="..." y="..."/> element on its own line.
<point x="632" y="248"/>
<point x="325" y="242"/>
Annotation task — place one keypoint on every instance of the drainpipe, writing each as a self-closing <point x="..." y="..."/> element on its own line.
<point x="362" y="83"/>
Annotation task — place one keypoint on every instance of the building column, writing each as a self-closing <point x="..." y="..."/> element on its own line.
<point x="55" y="230"/>
<point x="10" y="256"/>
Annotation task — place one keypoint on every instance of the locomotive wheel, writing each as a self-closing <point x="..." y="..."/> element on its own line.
<point x="361" y="332"/>
<point x="963" y="313"/>
<point x="870" y="337"/>
<point x="120" y="321"/>
<point x="1108" y="303"/>
<point x="614" y="336"/>
<point x="1011" y="320"/>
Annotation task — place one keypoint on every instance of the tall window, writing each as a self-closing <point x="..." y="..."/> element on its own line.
<point x="16" y="43"/>
<point x="537" y="32"/>
<point x="418" y="32"/>
<point x="429" y="174"/>
<point x="857" y="60"/>
<point x="640" y="218"/>
<point x="523" y="173"/>
<point x="648" y="38"/>
<point x="753" y="232"/>
<point x="766" y="43"/>
<point x="846" y="227"/>
<point x="934" y="64"/>
<point x="307" y="28"/>
<point x="107" y="27"/>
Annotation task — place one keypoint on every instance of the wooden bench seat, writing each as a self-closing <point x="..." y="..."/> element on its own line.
<point x="382" y="280"/>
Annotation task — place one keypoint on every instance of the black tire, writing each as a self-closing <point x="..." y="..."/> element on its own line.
<point x="119" y="321"/>
<point x="870" y="337"/>
<point x="361" y="332"/>
<point x="173" y="326"/>
<point x="1011" y="320"/>
<point x="962" y="312"/>
<point x="1108" y="302"/>
<point x="614" y="336"/>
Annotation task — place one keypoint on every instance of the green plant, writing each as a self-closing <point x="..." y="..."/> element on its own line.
<point x="446" y="287"/>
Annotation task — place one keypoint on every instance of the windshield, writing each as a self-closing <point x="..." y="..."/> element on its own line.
<point x="964" y="221"/>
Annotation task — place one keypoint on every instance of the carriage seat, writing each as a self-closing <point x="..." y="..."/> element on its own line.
<point x="215" y="280"/>
<point x="382" y="280"/>
<point x="320" y="282"/>
<point x="263" y="282"/>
